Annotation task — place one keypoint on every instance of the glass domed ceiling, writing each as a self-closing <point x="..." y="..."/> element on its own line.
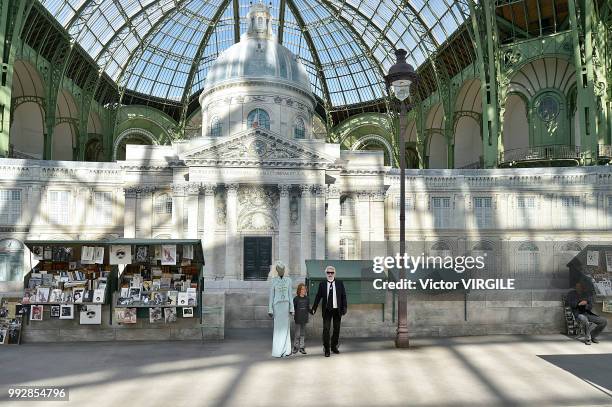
<point x="164" y="48"/>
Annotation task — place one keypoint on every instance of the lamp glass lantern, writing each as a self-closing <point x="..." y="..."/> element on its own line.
<point x="401" y="76"/>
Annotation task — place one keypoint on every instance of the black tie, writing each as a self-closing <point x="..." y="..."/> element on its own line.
<point x="330" y="297"/>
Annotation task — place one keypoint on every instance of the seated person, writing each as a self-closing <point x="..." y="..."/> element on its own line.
<point x="580" y="301"/>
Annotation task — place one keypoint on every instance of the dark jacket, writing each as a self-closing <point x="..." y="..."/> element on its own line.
<point x="301" y="305"/>
<point x="573" y="298"/>
<point x="322" y="295"/>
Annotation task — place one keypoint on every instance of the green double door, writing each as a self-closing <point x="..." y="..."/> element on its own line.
<point x="257" y="256"/>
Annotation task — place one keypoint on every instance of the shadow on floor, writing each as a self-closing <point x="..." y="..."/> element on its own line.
<point x="593" y="369"/>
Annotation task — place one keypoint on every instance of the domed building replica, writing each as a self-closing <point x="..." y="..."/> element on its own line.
<point x="257" y="181"/>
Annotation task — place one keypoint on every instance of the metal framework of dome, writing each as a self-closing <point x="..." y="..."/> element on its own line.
<point x="164" y="48"/>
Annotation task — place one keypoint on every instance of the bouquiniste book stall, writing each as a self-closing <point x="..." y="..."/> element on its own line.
<point x="162" y="283"/>
<point x="68" y="280"/>
<point x="96" y="290"/>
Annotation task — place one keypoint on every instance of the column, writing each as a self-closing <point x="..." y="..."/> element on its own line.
<point x="178" y="206"/>
<point x="319" y="222"/>
<point x="37" y="205"/>
<point x="305" y="228"/>
<point x="332" y="222"/>
<point x="193" y="191"/>
<point x="145" y="212"/>
<point x="231" y="235"/>
<point x="83" y="199"/>
<point x="129" y="213"/>
<point x="210" y="229"/>
<point x="362" y="215"/>
<point x="378" y="216"/>
<point x="284" y="243"/>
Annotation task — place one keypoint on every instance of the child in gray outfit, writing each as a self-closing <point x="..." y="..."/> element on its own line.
<point x="301" y="305"/>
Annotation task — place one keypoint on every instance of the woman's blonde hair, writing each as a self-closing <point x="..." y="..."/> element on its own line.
<point x="299" y="287"/>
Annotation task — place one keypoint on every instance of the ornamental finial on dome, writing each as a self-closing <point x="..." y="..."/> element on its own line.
<point x="260" y="21"/>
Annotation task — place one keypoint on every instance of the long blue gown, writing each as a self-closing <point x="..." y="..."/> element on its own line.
<point x="280" y="305"/>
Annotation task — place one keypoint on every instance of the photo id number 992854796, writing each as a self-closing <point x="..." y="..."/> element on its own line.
<point x="38" y="393"/>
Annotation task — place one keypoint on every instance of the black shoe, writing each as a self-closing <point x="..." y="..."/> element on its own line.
<point x="295" y="350"/>
<point x="326" y="353"/>
<point x="594" y="340"/>
<point x="587" y="342"/>
<point x="335" y="350"/>
<point x="302" y="351"/>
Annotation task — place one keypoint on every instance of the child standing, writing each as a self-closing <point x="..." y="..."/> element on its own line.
<point x="301" y="305"/>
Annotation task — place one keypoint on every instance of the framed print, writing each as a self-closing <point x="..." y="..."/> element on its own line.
<point x="168" y="255"/>
<point x="66" y="311"/>
<point x="155" y="315"/>
<point x="169" y="315"/>
<point x="77" y="295"/>
<point x="125" y="315"/>
<point x="90" y="315"/>
<point x="36" y="313"/>
<point x="120" y="254"/>
<point x="142" y="254"/>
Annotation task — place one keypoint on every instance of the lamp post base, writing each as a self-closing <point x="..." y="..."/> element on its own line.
<point x="401" y="340"/>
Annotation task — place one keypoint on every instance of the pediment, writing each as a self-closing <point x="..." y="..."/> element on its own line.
<point x="260" y="147"/>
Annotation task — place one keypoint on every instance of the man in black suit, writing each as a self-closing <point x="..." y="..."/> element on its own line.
<point x="334" y="308"/>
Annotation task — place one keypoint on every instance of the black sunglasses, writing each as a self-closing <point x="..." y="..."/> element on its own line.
<point x="331" y="272"/>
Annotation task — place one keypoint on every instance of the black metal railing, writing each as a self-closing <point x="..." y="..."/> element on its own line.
<point x="539" y="153"/>
<point x="604" y="151"/>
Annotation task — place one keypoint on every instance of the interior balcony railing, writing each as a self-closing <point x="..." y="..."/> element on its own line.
<point x="540" y="155"/>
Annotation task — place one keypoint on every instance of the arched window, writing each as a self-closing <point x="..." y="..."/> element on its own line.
<point x="258" y="118"/>
<point x="215" y="127"/>
<point x="347" y="206"/>
<point x="11" y="260"/>
<point x="299" y="131"/>
<point x="528" y="259"/>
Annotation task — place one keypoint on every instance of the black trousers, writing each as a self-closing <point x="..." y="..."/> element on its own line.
<point x="328" y="316"/>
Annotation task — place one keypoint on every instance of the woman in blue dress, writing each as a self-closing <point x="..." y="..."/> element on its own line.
<point x="280" y="307"/>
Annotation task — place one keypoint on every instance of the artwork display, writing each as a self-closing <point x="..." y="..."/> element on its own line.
<point x="169" y="315"/>
<point x="90" y="315"/>
<point x="592" y="258"/>
<point x="168" y="255"/>
<point x="36" y="312"/>
<point x="142" y="254"/>
<point x="66" y="311"/>
<point x="37" y="253"/>
<point x="155" y="315"/>
<point x="55" y="311"/>
<point x="188" y="312"/>
<point x="120" y="254"/>
<point x="77" y="295"/>
<point x="125" y="315"/>
<point x="42" y="294"/>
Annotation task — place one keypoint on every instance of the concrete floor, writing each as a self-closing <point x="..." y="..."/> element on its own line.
<point x="550" y="370"/>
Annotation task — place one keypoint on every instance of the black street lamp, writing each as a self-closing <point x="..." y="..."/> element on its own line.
<point x="401" y="75"/>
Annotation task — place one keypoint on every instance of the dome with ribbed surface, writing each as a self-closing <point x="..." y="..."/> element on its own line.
<point x="258" y="57"/>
